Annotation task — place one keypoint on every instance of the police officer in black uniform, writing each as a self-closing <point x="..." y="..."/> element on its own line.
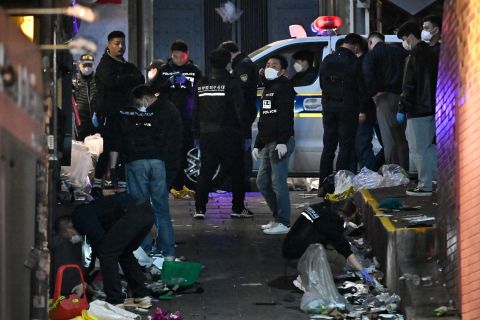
<point x="342" y="94"/>
<point x="222" y="124"/>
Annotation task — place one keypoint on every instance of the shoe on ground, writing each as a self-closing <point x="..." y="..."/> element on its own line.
<point x="417" y="192"/>
<point x="199" y="214"/>
<point x="96" y="193"/>
<point x="278" y="228"/>
<point x="144" y="303"/>
<point x="268" y="225"/>
<point x="245" y="213"/>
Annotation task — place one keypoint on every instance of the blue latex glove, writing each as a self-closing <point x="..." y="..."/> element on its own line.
<point x="367" y="278"/>
<point x="95" y="120"/>
<point x="247" y="144"/>
<point x="401" y="117"/>
<point x="196" y="143"/>
<point x="180" y="78"/>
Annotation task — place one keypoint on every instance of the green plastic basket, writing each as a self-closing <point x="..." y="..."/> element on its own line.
<point x="180" y="273"/>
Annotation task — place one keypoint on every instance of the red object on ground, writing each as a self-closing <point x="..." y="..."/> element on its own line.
<point x="71" y="306"/>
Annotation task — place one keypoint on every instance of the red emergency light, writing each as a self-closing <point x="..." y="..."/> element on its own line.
<point x="325" y="23"/>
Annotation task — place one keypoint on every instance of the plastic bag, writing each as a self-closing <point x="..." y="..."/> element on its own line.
<point x="317" y="279"/>
<point x="393" y="175"/>
<point x="81" y="164"/>
<point x="94" y="144"/>
<point x="106" y="311"/>
<point x="367" y="179"/>
<point x="343" y="181"/>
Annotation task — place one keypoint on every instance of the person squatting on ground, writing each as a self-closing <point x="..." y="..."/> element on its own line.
<point x="148" y="136"/>
<point x="383" y="71"/>
<point x="115" y="226"/>
<point x="221" y="123"/>
<point x="178" y="79"/>
<point x="324" y="223"/>
<point x="417" y="106"/>
<point x="245" y="71"/>
<point x="275" y="143"/>
<point x="115" y="78"/>
<point x="342" y="94"/>
<point x="367" y="126"/>
<point x="85" y="95"/>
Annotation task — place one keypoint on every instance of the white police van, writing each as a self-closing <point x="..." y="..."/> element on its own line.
<point x="305" y="161"/>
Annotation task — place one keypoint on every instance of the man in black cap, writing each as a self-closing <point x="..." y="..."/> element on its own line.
<point x="85" y="95"/>
<point x="115" y="78"/>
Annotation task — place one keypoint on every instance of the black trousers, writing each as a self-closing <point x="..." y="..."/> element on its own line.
<point x="181" y="179"/>
<point x="339" y="129"/>
<point x="115" y="245"/>
<point x="225" y="149"/>
<point x="104" y="158"/>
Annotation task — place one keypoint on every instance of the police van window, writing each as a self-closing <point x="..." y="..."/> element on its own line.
<point x="288" y="51"/>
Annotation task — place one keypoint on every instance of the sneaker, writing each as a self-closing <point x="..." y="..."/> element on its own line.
<point x="245" y="213"/>
<point x="278" y="228"/>
<point x="199" y="214"/>
<point x="417" y="192"/>
<point x="268" y="225"/>
<point x="96" y="193"/>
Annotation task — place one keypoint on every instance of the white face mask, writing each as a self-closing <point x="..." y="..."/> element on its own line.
<point x="86" y="71"/>
<point x="407" y="46"/>
<point x="76" y="239"/>
<point x="298" y="67"/>
<point x="426" y="36"/>
<point x="271" y="73"/>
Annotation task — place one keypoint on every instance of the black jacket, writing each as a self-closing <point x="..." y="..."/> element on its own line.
<point x="323" y="226"/>
<point x="182" y="96"/>
<point x="276" y="114"/>
<point x="420" y="82"/>
<point x="246" y="72"/>
<point x="304" y="78"/>
<point x="383" y="69"/>
<point x="154" y="134"/>
<point x="341" y="82"/>
<point x="85" y="94"/>
<point x="115" y="80"/>
<point x="220" y="107"/>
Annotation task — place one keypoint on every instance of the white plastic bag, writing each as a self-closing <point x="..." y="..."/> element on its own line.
<point x="94" y="144"/>
<point x="81" y="164"/>
<point x="317" y="279"/>
<point x="393" y="175"/>
<point x="105" y="311"/>
<point x="367" y="179"/>
<point x="343" y="181"/>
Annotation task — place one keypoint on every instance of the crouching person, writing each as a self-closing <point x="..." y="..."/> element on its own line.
<point x="115" y="226"/>
<point x="324" y="223"/>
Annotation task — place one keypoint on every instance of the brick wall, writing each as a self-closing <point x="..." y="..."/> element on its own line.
<point x="458" y="139"/>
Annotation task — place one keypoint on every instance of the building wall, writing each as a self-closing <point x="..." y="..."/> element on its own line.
<point x="458" y="141"/>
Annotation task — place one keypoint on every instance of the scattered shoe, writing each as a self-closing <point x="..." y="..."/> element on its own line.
<point x="278" y="228"/>
<point x="245" y="213"/>
<point x="417" y="192"/>
<point x="96" y="193"/>
<point x="144" y="303"/>
<point x="199" y="214"/>
<point x="268" y="225"/>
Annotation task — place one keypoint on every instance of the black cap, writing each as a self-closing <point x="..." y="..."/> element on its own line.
<point x="86" y="58"/>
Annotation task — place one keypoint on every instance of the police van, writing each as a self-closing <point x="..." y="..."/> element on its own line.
<point x="305" y="161"/>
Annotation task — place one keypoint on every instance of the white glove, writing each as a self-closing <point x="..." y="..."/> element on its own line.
<point x="78" y="290"/>
<point x="255" y="153"/>
<point x="282" y="150"/>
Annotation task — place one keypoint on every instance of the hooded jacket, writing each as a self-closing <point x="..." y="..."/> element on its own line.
<point x="420" y="82"/>
<point x="245" y="71"/>
<point x="182" y="95"/>
<point x="220" y="107"/>
<point x="115" y="80"/>
<point x="276" y="113"/>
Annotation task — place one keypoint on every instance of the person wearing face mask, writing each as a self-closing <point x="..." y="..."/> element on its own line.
<point x="178" y="79"/>
<point x="303" y="65"/>
<point x="85" y="95"/>
<point x="342" y="94"/>
<point x="417" y="105"/>
<point x="383" y="73"/>
<point x="148" y="137"/>
<point x="275" y="143"/>
<point x="431" y="33"/>
<point x="115" y="78"/>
